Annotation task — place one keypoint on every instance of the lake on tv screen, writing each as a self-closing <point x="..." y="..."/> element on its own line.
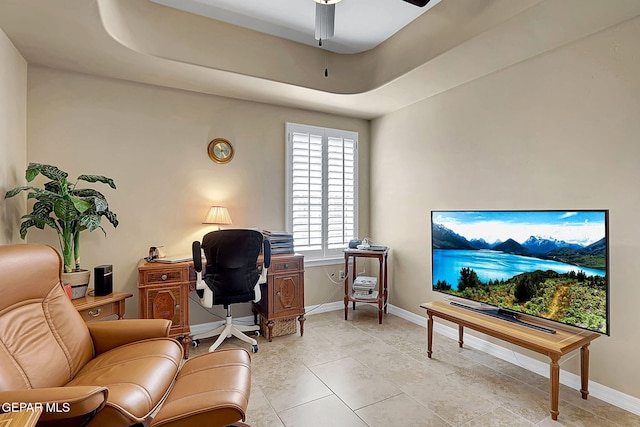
<point x="494" y="265"/>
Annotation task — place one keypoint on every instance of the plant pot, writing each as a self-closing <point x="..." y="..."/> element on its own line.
<point x="79" y="281"/>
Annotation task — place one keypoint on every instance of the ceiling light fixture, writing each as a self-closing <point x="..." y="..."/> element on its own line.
<point x="325" y="19"/>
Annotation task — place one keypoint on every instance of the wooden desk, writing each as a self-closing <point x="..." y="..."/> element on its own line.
<point x="163" y="293"/>
<point x="93" y="308"/>
<point x="554" y="346"/>
<point x="282" y="295"/>
<point x="381" y="256"/>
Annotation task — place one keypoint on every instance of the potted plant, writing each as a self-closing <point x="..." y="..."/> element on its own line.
<point x="63" y="206"/>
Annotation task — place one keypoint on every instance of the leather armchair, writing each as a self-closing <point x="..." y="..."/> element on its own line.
<point x="108" y="373"/>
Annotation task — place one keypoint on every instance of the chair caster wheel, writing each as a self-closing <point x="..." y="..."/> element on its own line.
<point x="258" y="333"/>
<point x="254" y="348"/>
<point x="195" y="343"/>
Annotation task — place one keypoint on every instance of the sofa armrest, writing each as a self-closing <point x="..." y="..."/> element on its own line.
<point x="56" y="403"/>
<point x="114" y="333"/>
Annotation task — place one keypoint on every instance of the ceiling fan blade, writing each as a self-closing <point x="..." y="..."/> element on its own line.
<point x="419" y="3"/>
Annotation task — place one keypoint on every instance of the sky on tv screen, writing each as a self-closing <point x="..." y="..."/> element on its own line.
<point x="581" y="227"/>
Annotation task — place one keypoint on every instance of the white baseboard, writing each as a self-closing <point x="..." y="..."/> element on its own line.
<point x="324" y="308"/>
<point x="599" y="391"/>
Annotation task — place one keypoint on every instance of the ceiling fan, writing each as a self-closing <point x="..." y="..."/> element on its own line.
<point x="419" y="3"/>
<point x="326" y="15"/>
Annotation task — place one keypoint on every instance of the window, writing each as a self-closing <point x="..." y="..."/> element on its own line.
<point x="322" y="190"/>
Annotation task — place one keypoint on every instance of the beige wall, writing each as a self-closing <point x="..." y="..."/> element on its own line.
<point x="13" y="137"/>
<point x="559" y="131"/>
<point x="153" y="142"/>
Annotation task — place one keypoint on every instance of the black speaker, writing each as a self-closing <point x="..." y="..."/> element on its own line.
<point x="103" y="280"/>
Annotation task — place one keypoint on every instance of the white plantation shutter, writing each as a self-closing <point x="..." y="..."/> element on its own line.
<point x="321" y="189"/>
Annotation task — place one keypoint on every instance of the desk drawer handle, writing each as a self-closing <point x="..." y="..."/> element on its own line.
<point x="96" y="313"/>
<point x="164" y="277"/>
<point x="177" y="307"/>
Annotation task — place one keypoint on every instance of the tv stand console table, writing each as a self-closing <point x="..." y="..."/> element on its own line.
<point x="556" y="345"/>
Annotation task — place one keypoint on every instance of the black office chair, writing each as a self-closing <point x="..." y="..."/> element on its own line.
<point x="232" y="276"/>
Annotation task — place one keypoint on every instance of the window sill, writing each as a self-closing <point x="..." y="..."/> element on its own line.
<point x="316" y="262"/>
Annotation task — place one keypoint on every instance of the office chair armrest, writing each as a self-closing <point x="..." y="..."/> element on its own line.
<point x="266" y="253"/>
<point x="56" y="403"/>
<point x="114" y="333"/>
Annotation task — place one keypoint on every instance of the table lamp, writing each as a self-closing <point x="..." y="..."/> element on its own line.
<point x="218" y="215"/>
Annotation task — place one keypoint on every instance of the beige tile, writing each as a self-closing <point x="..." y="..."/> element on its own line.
<point x="260" y="413"/>
<point x="572" y="416"/>
<point x="328" y="411"/>
<point x="598" y="407"/>
<point x="287" y="385"/>
<point x="400" y="410"/>
<point x="526" y="401"/>
<point x="499" y="417"/>
<point x="354" y="383"/>
<point x="449" y="398"/>
<point x="384" y="373"/>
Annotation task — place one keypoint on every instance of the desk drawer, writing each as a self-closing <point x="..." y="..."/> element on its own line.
<point x="99" y="312"/>
<point x="285" y="264"/>
<point x="165" y="276"/>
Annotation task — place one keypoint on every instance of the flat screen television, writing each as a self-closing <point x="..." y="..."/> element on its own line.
<point x="549" y="264"/>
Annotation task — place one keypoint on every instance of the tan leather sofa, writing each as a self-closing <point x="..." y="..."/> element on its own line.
<point x="113" y="373"/>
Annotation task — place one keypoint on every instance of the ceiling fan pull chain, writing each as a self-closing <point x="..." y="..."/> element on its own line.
<point x="326" y="65"/>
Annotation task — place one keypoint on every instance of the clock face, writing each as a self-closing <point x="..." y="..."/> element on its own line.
<point x="220" y="150"/>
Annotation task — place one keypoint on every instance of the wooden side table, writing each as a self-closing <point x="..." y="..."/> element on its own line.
<point x="93" y="308"/>
<point x="163" y="293"/>
<point x="383" y="293"/>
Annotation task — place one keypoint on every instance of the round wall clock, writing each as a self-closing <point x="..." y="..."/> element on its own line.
<point x="220" y="150"/>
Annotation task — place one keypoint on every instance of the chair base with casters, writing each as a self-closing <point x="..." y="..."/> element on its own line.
<point x="227" y="330"/>
<point x="232" y="276"/>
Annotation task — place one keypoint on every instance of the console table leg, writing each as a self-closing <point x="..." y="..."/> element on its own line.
<point x="584" y="370"/>
<point x="554" y="381"/>
<point x="429" y="335"/>
<point x="186" y="343"/>
<point x="301" y="319"/>
<point x="460" y="335"/>
<point x="270" y="325"/>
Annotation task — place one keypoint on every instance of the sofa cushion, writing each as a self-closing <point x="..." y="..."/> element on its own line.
<point x="137" y="375"/>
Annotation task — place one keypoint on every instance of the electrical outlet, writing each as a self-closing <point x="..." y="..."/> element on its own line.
<point x="341" y="275"/>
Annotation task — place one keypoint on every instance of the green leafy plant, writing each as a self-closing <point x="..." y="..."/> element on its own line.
<point x="65" y="208"/>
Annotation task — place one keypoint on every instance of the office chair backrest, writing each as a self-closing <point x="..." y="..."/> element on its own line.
<point x="232" y="271"/>
<point x="38" y="321"/>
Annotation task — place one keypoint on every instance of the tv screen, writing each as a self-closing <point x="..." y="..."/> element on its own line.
<point x="548" y="264"/>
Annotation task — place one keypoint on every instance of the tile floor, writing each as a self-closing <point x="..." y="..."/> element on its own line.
<point x="358" y="373"/>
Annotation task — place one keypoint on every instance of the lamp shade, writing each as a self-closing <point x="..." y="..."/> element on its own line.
<point x="217" y="215"/>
